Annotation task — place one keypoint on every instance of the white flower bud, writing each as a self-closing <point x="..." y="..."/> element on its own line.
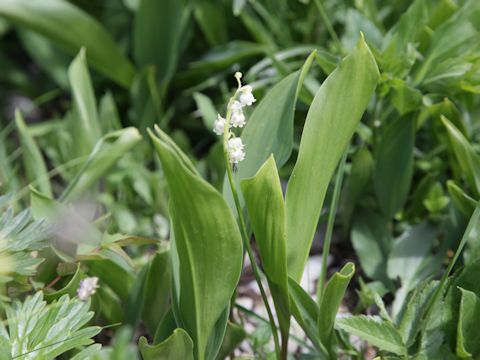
<point x="87" y="288"/>
<point x="235" y="150"/>
<point x="219" y="125"/>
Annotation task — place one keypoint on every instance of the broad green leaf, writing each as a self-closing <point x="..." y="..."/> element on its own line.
<point x="331" y="121"/>
<point x="234" y="335"/>
<point x="377" y="332"/>
<point x="468" y="337"/>
<point x="305" y="310"/>
<point x="177" y="346"/>
<point x="408" y="258"/>
<point x="87" y="129"/>
<point x="108" y="114"/>
<point x="394" y="165"/>
<point x="357" y="182"/>
<point x="157" y="32"/>
<point x="371" y="240"/>
<point x="46" y="55"/>
<point x="210" y="16"/>
<point x="108" y="150"/>
<point x="466" y="156"/>
<point x="206" y="242"/>
<point x="266" y="208"/>
<point x="34" y="163"/>
<point x="332" y="297"/>
<point x="71" y="28"/>
<point x="460" y="199"/>
<point x="157" y="290"/>
<point x="206" y="108"/>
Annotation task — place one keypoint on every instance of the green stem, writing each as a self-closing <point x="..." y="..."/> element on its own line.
<point x="328" y="24"/>
<point x="243" y="227"/>
<point x="253" y="314"/>
<point x="331" y="221"/>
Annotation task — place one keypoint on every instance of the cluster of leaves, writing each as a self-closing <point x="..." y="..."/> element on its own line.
<point x="411" y="187"/>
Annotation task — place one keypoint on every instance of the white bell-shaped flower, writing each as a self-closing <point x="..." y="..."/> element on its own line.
<point x="87" y="288"/>
<point x="219" y="125"/>
<point x="246" y="97"/>
<point x="235" y="150"/>
<point x="238" y="119"/>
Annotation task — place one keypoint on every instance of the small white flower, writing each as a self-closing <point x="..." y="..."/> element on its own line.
<point x="236" y="106"/>
<point x="238" y="75"/>
<point x="246" y="97"/>
<point x="238" y="119"/>
<point x="219" y="125"/>
<point x="235" y="150"/>
<point x="87" y="288"/>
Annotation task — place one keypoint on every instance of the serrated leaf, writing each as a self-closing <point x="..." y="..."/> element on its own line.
<point x="377" y="332"/>
<point x="47" y="331"/>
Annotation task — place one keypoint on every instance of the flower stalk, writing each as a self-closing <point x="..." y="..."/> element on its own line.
<point x="233" y="151"/>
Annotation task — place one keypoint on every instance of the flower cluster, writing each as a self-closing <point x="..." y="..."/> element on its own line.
<point x="243" y="97"/>
<point x="87" y="288"/>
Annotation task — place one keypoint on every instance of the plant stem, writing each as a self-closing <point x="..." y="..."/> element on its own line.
<point x="243" y="228"/>
<point x="251" y="313"/>
<point x="331" y="221"/>
<point x="328" y="24"/>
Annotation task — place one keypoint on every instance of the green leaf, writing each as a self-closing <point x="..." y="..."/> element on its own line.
<point x="371" y="240"/>
<point x="207" y="242"/>
<point x="52" y="19"/>
<point x="359" y="179"/>
<point x="46" y="331"/>
<point x="19" y="237"/>
<point x="177" y="346"/>
<point x="210" y="16"/>
<point x="468" y="337"/>
<point x="467" y="158"/>
<point x="69" y="289"/>
<point x="305" y="310"/>
<point x="394" y="165"/>
<point x="234" y="335"/>
<point x="411" y="319"/>
<point x="157" y="32"/>
<point x="331" y="121"/>
<point x="332" y="297"/>
<point x="463" y="202"/>
<point x="157" y="290"/>
<point x="206" y="108"/>
<point x="87" y="129"/>
<point x="108" y="150"/>
<point x="32" y="158"/>
<point x="377" y="332"/>
<point x="264" y="200"/>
